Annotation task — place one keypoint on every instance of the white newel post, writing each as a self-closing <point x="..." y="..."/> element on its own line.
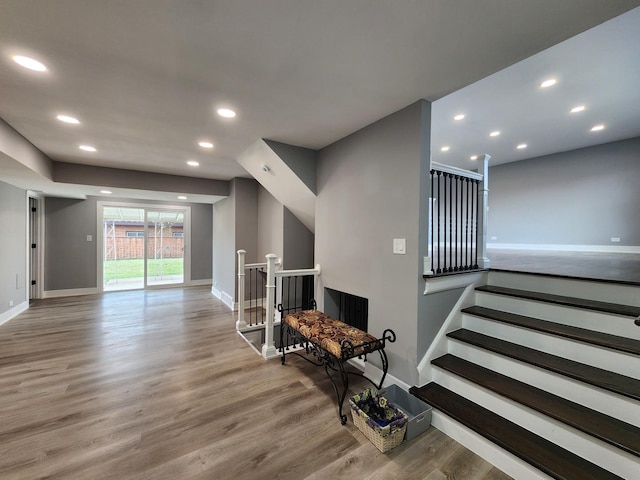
<point x="483" y="215"/>
<point x="269" y="349"/>
<point x="241" y="323"/>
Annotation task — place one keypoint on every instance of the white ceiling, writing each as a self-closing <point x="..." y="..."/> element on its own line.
<point x="146" y="76"/>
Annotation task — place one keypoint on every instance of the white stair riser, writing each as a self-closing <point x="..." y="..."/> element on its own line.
<point x="606" y="359"/>
<point x="582" y="444"/>
<point x="589" y="319"/>
<point x="614" y="405"/>
<point x="600" y="291"/>
<point x="505" y="461"/>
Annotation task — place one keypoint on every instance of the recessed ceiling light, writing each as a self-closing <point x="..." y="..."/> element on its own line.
<point x="106" y="192"/>
<point x="597" y="128"/>
<point x="206" y="144"/>
<point x="473" y="157"/>
<point x="68" y="119"/>
<point x="226" y="112"/>
<point x="87" y="148"/>
<point x="193" y="163"/>
<point x="182" y="197"/>
<point x="29" y="63"/>
<point x="460" y="116"/>
<point x="577" y="109"/>
<point x="548" y="83"/>
<point x="495" y="133"/>
<point x="521" y="146"/>
<point x="445" y="148"/>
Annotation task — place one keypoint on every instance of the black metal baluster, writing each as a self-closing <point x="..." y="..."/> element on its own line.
<point x="451" y="214"/>
<point x="455" y="221"/>
<point x="432" y="216"/>
<point x="444" y="224"/>
<point x="466" y="232"/>
<point x="476" y="211"/>
<point x="439" y="202"/>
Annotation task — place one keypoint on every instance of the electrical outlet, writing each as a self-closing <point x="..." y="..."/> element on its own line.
<point x="615" y="239"/>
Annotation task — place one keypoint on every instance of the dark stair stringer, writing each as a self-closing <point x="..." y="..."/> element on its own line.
<point x="537" y="451"/>
<point x="608" y="429"/>
<point x="614" y="342"/>
<point x="611" y="381"/>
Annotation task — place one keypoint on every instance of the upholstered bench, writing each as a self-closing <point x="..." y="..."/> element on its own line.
<point x="331" y="343"/>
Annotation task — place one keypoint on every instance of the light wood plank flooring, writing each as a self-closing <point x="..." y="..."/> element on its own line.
<point x="157" y="385"/>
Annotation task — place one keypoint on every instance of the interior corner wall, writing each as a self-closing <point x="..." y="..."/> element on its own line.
<point x="297" y="243"/>
<point x="368" y="194"/>
<point x="13" y="244"/>
<point x="581" y="197"/>
<point x="201" y="238"/>
<point x="270" y="225"/>
<point x="224" y="245"/>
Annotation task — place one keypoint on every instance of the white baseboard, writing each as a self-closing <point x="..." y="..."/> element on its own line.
<point x="13" y="312"/>
<point x="224" y="297"/>
<point x="566" y="248"/>
<point x="71" y="292"/>
<point x="375" y="374"/>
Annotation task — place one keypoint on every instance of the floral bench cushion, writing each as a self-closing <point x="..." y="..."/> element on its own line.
<point x="329" y="334"/>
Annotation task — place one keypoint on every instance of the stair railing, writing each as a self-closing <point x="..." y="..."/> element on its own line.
<point x="290" y="290"/>
<point x="458" y="220"/>
<point x="251" y="292"/>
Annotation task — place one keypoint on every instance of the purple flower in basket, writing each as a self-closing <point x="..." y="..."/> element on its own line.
<point x="378" y="412"/>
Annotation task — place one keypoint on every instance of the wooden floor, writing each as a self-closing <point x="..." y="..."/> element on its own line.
<point x="157" y="385"/>
<point x="608" y="267"/>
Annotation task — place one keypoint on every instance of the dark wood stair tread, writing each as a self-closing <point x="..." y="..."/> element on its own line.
<point x="613" y="342"/>
<point x="611" y="381"/>
<point x="608" y="429"/>
<point x="606" y="307"/>
<point x="537" y="451"/>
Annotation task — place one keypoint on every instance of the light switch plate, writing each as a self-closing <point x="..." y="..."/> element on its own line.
<point x="399" y="246"/>
<point x="89" y="238"/>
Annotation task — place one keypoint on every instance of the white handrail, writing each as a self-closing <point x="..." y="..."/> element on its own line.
<point x="457" y="171"/>
<point x="301" y="271"/>
<point x="254" y="265"/>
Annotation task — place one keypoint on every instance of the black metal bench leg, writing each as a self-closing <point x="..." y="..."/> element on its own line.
<point x="345" y="386"/>
<point x="282" y="327"/>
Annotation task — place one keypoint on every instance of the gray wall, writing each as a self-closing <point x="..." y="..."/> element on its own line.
<point x="13" y="246"/>
<point x="369" y="192"/>
<point x="581" y="197"/>
<point x="201" y="235"/>
<point x="235" y="227"/>
<point x="270" y="225"/>
<point x="298" y="243"/>
<point x="224" y="245"/>
<point x="71" y="261"/>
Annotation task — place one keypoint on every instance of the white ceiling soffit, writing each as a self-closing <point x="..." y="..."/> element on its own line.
<point x="145" y="77"/>
<point x="276" y="176"/>
<point x="598" y="69"/>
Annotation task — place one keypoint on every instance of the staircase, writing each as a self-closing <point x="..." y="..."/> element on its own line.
<point x="544" y="374"/>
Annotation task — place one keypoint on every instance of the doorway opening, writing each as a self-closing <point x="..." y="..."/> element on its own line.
<point x="143" y="246"/>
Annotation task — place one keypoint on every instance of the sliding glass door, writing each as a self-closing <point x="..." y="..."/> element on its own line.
<point x="165" y="247"/>
<point x="142" y="247"/>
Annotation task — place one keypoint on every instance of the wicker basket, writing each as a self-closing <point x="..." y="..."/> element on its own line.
<point x="384" y="438"/>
